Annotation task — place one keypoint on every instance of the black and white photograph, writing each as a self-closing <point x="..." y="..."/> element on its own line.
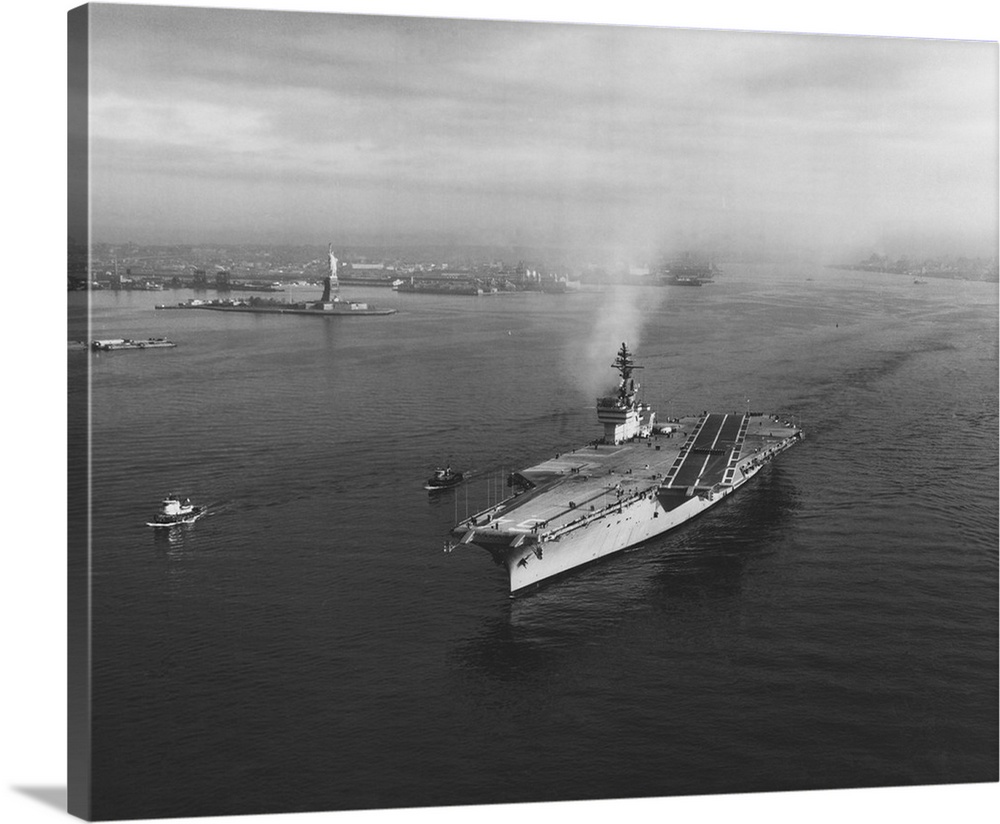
<point x="519" y="414"/>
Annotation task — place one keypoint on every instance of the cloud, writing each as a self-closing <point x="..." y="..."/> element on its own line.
<point x="583" y="132"/>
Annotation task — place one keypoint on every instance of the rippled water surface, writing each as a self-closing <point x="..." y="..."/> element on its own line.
<point x="307" y="645"/>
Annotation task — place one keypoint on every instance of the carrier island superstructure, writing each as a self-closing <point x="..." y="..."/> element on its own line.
<point x="640" y="479"/>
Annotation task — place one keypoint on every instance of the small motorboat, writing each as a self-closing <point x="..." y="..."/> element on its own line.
<point x="173" y="512"/>
<point x="443" y="479"/>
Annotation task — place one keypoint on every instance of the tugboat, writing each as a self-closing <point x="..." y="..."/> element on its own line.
<point x="443" y="479"/>
<point x="173" y="512"/>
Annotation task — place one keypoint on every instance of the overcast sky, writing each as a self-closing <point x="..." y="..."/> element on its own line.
<point x="246" y="126"/>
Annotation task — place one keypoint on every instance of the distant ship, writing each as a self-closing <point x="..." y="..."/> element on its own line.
<point x="112" y="344"/>
<point x="688" y="274"/>
<point x="454" y="284"/>
<point x="639" y="480"/>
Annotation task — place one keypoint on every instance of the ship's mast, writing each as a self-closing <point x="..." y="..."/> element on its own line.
<point x="627" y="386"/>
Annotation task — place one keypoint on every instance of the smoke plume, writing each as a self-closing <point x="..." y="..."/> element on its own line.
<point x="620" y="316"/>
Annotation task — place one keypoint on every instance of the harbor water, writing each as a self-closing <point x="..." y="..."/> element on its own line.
<point x="307" y="645"/>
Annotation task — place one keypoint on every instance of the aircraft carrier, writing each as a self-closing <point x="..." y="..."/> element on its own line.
<point x="639" y="480"/>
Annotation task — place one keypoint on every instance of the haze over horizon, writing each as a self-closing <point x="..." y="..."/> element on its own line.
<point x="230" y="126"/>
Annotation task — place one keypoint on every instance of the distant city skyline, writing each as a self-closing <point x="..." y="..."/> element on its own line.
<point x="237" y="126"/>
